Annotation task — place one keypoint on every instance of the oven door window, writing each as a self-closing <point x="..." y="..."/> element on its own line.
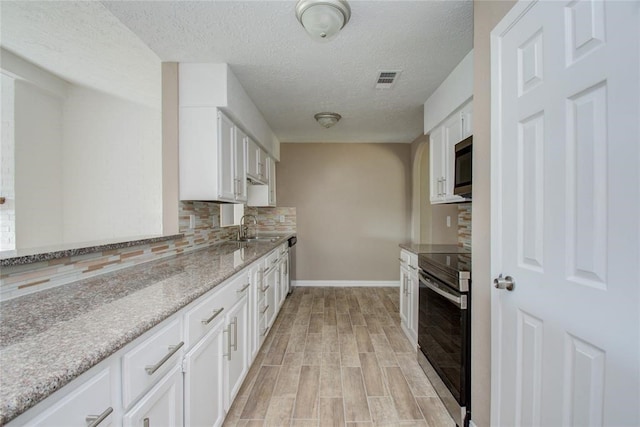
<point x="443" y="339"/>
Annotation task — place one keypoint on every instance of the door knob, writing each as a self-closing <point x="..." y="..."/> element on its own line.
<point x="504" y="283"/>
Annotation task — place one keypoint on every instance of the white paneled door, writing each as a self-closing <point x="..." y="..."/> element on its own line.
<point x="565" y="214"/>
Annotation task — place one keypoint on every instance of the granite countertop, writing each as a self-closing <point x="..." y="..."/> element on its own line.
<point x="49" y="338"/>
<point x="32" y="255"/>
<point x="419" y="248"/>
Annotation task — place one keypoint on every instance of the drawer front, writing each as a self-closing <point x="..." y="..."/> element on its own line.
<point x="404" y="258"/>
<point x="271" y="260"/>
<point x="148" y="361"/>
<point x="204" y="317"/>
<point x="92" y="399"/>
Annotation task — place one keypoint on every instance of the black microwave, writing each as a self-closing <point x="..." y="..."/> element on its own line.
<point x="463" y="168"/>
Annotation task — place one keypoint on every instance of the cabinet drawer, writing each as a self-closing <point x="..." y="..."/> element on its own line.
<point x="271" y="260"/>
<point x="150" y="360"/>
<point x="92" y="399"/>
<point x="204" y="317"/>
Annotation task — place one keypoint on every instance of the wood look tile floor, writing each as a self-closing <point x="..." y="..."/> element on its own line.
<point x="337" y="357"/>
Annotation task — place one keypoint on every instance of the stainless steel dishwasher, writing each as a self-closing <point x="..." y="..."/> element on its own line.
<point x="292" y="260"/>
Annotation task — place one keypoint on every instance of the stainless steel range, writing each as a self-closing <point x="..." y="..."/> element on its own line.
<point x="444" y="329"/>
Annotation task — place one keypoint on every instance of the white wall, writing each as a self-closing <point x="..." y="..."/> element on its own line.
<point x="7" y="165"/>
<point x="112" y="167"/>
<point x="38" y="166"/>
<point x="88" y="164"/>
<point x="450" y="95"/>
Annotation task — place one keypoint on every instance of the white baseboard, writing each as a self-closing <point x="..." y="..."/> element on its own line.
<point x="345" y="283"/>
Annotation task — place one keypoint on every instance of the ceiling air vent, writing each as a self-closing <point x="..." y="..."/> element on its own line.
<point x="386" y="79"/>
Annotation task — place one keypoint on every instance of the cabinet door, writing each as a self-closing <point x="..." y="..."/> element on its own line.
<point x="270" y="280"/>
<point x="453" y="135"/>
<point x="467" y="120"/>
<point x="235" y="353"/>
<point x="437" y="162"/>
<point x="255" y="301"/>
<point x="161" y="406"/>
<point x="262" y="166"/>
<point x="253" y="159"/>
<point x="240" y="166"/>
<point x="226" y="142"/>
<point x="271" y="168"/>
<point x="203" y="380"/>
<point x="404" y="296"/>
<point x="412" y="301"/>
<point x="284" y="278"/>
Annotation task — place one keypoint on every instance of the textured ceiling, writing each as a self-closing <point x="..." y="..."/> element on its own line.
<point x="290" y="77"/>
<point x="83" y="43"/>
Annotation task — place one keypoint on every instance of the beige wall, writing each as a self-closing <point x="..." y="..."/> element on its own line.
<point x="353" y="208"/>
<point x="170" y="148"/>
<point x="486" y="15"/>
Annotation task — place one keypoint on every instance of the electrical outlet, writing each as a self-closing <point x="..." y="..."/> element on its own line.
<point x="192" y="221"/>
<point x="281" y="218"/>
<point x="448" y="221"/>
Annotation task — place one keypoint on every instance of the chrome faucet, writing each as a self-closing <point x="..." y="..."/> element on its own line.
<point x="243" y="228"/>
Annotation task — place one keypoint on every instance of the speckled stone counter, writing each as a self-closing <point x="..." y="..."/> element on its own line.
<point x="49" y="338"/>
<point x="418" y="248"/>
<point x="30" y="256"/>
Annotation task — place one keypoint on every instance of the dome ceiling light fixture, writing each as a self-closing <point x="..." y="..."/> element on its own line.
<point x="323" y="18"/>
<point x="327" y="119"/>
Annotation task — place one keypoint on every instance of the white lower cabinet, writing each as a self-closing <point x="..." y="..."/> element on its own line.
<point x="203" y="380"/>
<point x="235" y="353"/>
<point x="91" y="402"/>
<point x="161" y="406"/>
<point x="409" y="297"/>
<point x="185" y="371"/>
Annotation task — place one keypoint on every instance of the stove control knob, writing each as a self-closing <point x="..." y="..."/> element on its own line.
<point x="504" y="283"/>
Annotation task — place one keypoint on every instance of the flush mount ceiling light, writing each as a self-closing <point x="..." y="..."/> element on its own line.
<point x="323" y="18"/>
<point x="327" y="119"/>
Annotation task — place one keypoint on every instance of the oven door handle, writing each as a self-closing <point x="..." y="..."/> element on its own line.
<point x="460" y="302"/>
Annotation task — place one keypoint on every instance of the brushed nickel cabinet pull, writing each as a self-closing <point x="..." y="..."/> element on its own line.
<point x="213" y="316"/>
<point x="244" y="288"/>
<point x="151" y="369"/>
<point x="146" y="422"/>
<point x="228" y="331"/>
<point x="265" y="331"/>
<point x="265" y="288"/>
<point x="264" y="310"/>
<point x="235" y="333"/>
<point x="94" y="420"/>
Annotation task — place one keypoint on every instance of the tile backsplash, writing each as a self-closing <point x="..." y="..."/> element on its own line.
<point x="464" y="225"/>
<point x="23" y="279"/>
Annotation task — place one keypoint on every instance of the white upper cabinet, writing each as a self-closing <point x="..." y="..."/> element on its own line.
<point x="264" y="195"/>
<point x="226" y="159"/>
<point x="442" y="143"/>
<point x="256" y="163"/>
<point x="437" y="162"/>
<point x="216" y="153"/>
<point x="212" y="163"/>
<point x="240" y="166"/>
<point x="466" y="115"/>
